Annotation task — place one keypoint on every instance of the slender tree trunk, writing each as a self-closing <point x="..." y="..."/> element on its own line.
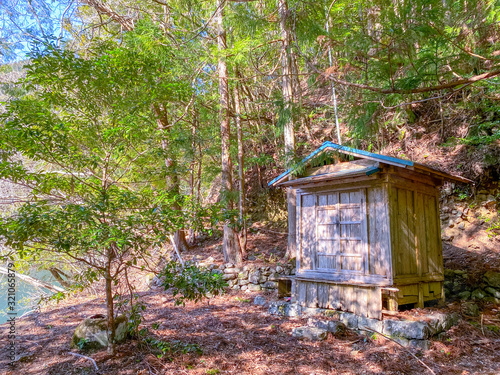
<point x="241" y="173"/>
<point x="191" y="234"/>
<point x="289" y="132"/>
<point x="198" y="186"/>
<point x="109" y="304"/>
<point x="230" y="247"/>
<point x="257" y="165"/>
<point x="287" y="84"/>
<point x="171" y="164"/>
<point x="179" y="235"/>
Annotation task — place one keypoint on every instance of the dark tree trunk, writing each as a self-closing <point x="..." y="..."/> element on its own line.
<point x="231" y="246"/>
<point x="171" y="164"/>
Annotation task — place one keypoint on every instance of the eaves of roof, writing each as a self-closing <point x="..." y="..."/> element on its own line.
<point x="371" y="156"/>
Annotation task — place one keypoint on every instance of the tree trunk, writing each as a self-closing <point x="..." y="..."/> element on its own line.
<point x="191" y="234"/>
<point x="171" y="164"/>
<point x="287" y="86"/>
<point x="289" y="132"/>
<point x="109" y="304"/>
<point x="180" y="239"/>
<point x="241" y="174"/>
<point x="230" y="247"/>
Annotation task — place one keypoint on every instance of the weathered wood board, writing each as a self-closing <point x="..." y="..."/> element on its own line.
<point x="364" y="301"/>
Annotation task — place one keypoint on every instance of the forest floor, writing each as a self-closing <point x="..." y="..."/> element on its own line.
<point x="238" y="337"/>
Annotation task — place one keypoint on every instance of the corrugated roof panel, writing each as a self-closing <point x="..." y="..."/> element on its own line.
<point x="367" y="155"/>
<point x="368" y="171"/>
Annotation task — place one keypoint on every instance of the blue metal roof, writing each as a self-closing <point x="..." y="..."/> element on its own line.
<point x="349" y="151"/>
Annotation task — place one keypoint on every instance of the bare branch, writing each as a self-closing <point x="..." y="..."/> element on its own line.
<point x="126" y="22"/>
<point x="444" y="86"/>
<point x="84" y="356"/>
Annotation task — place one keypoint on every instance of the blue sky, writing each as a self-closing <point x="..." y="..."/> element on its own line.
<point x="22" y="22"/>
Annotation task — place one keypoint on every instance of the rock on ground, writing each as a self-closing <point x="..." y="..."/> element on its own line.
<point x="92" y="332"/>
<point x="310" y="333"/>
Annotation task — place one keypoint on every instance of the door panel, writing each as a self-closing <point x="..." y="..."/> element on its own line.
<point x="339" y="232"/>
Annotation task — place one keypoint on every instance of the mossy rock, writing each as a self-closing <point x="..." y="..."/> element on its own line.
<point x="470" y="309"/>
<point x="478" y="294"/>
<point x="92" y="332"/>
<point x="492" y="279"/>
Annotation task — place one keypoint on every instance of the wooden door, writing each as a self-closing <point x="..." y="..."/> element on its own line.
<point x="341" y="232"/>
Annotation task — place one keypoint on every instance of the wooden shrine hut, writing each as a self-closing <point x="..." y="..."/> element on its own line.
<point x="368" y="233"/>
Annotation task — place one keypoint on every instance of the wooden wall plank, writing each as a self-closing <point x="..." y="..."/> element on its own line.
<point x="402" y="232"/>
<point x="312" y="294"/>
<point x="410" y="254"/>
<point x="374" y="303"/>
<point x="403" y="240"/>
<point x="364" y="301"/>
<point x="349" y="298"/>
<point x="439" y="243"/>
<point x="377" y="230"/>
<point x="301" y="292"/>
<point x="308" y="231"/>
<point x="387" y="229"/>
<point x="323" y="294"/>
<point x="422" y="235"/>
<point x="292" y="221"/>
<point x="334" y="297"/>
<point x="298" y="234"/>
<point x="393" y="216"/>
<point x="364" y="247"/>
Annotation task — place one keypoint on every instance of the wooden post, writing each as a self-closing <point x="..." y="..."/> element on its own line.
<point x="291" y="250"/>
<point x="443" y="297"/>
<point x="294" y="291"/>
<point x="420" y="303"/>
<point x="392" y="298"/>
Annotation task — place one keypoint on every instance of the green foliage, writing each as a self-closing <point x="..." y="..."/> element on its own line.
<point x="483" y="134"/>
<point x="243" y="300"/>
<point x="97" y="192"/>
<point x="191" y="283"/>
<point x="494" y="228"/>
<point x="135" y="317"/>
<point x="82" y="343"/>
<point x="89" y="124"/>
<point x="163" y="348"/>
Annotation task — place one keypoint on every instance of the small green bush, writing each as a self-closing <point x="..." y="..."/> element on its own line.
<point x="191" y="283"/>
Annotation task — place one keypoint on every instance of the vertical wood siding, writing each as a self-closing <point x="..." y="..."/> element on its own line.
<point x="364" y="301"/>
<point x="308" y="231"/>
<point x="415" y="233"/>
<point x="378" y="232"/>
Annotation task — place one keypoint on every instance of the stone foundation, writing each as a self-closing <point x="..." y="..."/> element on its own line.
<point x="406" y="332"/>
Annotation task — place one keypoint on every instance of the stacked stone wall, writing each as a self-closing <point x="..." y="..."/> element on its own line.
<point x="252" y="277"/>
